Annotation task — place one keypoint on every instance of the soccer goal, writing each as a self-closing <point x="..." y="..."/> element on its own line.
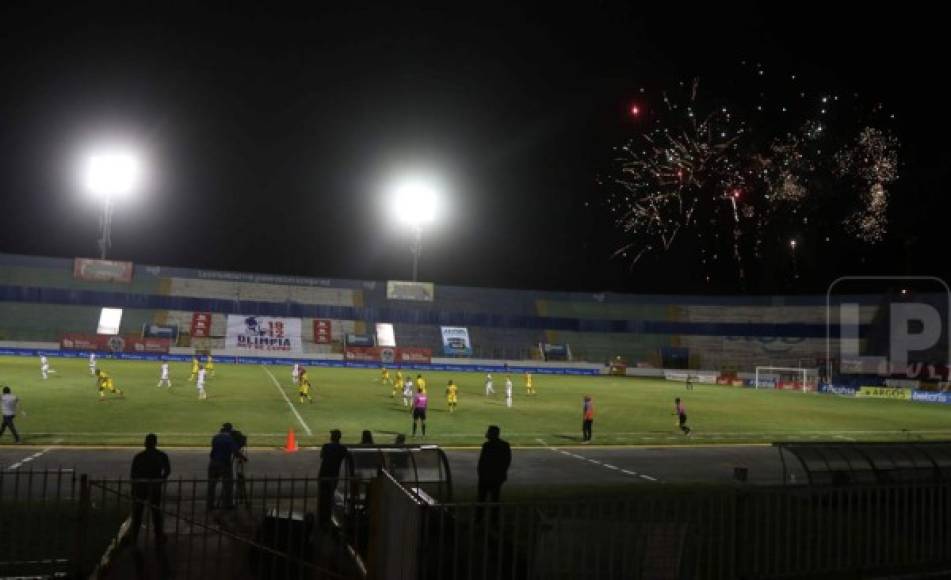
<point x="786" y="378"/>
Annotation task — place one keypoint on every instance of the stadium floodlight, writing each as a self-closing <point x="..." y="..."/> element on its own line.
<point x="415" y="203"/>
<point x="109" y="174"/>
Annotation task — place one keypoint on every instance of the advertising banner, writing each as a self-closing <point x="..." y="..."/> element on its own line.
<point x="556" y="351"/>
<point x="322" y="330"/>
<point x="263" y="334"/>
<point x="102" y="270"/>
<point x="455" y="341"/>
<point x="101" y="343"/>
<point x="841" y="390"/>
<point x="930" y="397"/>
<point x="160" y="331"/>
<point x="360" y="340"/>
<point x="385" y="335"/>
<point x="884" y="393"/>
<point x="704" y="377"/>
<point x="201" y="324"/>
<point x="417" y="291"/>
<point x="385" y="355"/>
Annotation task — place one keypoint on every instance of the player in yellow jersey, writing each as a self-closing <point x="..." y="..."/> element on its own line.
<point x="194" y="372"/>
<point x="105" y="382"/>
<point x="452" y="396"/>
<point x="421" y="384"/>
<point x="210" y="366"/>
<point x="529" y="384"/>
<point x="397" y="384"/>
<point x="303" y="387"/>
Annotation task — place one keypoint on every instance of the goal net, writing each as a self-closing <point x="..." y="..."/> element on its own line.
<point x="789" y="378"/>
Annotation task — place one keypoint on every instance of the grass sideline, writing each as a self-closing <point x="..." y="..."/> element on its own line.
<point x="65" y="409"/>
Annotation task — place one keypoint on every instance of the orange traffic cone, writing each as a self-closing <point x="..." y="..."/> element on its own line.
<point x="291" y="445"/>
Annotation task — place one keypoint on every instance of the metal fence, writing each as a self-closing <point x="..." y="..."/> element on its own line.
<point x="716" y="533"/>
<point x="60" y="523"/>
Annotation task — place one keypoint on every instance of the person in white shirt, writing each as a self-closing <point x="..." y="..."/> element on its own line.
<point x="295" y="373"/>
<point x="8" y="405"/>
<point x="407" y="391"/>
<point x="92" y="364"/>
<point x="200" y="383"/>
<point x="44" y="366"/>
<point x="164" y="378"/>
<point x="488" y="385"/>
<point x="508" y="391"/>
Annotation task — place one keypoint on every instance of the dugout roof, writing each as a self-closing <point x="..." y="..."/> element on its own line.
<point x="422" y="469"/>
<point x="856" y="463"/>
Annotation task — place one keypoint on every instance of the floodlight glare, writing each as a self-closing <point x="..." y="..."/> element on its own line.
<point x="110" y="174"/>
<point x="415" y="203"/>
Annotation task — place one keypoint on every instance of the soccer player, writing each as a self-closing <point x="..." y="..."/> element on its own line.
<point x="397" y="384"/>
<point x="587" y="418"/>
<point x="508" y="391"/>
<point x="105" y="383"/>
<point x="681" y="413"/>
<point x="488" y="385"/>
<point x="420" y="402"/>
<point x="452" y="396"/>
<point x="210" y="366"/>
<point x="195" y="366"/>
<point x="92" y="364"/>
<point x="303" y="387"/>
<point x="407" y="391"/>
<point x="529" y="384"/>
<point x="690" y="379"/>
<point x="421" y="383"/>
<point x="200" y="383"/>
<point x="295" y="373"/>
<point x="44" y="366"/>
<point x="164" y="376"/>
<point x="385" y="376"/>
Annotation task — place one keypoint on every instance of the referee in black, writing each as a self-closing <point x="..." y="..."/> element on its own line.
<point x="150" y="469"/>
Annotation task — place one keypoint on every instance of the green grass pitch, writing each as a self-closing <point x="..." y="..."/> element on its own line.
<point x="65" y="409"/>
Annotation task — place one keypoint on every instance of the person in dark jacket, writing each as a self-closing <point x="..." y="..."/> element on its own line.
<point x="493" y="466"/>
<point x="150" y="469"/>
<point x="224" y="450"/>
<point x="331" y="457"/>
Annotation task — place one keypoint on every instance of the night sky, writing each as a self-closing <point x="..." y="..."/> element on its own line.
<point x="270" y="132"/>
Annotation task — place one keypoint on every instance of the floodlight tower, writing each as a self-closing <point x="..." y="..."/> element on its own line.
<point x="110" y="174"/>
<point x="415" y="204"/>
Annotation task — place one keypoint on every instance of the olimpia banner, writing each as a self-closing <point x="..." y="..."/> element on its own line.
<point x="263" y="334"/>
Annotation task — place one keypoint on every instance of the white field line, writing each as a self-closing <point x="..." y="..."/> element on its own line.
<point x="277" y="385"/>
<point x="595" y="461"/>
<point x="37" y="455"/>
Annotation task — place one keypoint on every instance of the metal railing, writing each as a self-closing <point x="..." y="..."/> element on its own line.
<point x="713" y="533"/>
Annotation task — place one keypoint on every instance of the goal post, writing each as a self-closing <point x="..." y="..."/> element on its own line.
<point x="798" y="378"/>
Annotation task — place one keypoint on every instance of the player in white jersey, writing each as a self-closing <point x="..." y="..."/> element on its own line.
<point x="200" y="383"/>
<point x="407" y="391"/>
<point x="44" y="366"/>
<point x="295" y="373"/>
<point x="488" y="385"/>
<point x="92" y="364"/>
<point x="164" y="378"/>
<point x="508" y="391"/>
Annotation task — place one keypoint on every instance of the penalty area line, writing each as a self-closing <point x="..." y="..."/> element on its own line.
<point x="277" y="385"/>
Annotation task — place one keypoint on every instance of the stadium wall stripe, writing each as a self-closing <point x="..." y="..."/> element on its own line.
<point x="432" y="316"/>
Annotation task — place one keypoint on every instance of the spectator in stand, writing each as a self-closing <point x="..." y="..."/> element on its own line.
<point x="150" y="469"/>
<point x="331" y="456"/>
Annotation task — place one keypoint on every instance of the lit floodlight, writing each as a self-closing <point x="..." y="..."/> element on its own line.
<point x="111" y="174"/>
<point x="109" y="321"/>
<point x="415" y="203"/>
